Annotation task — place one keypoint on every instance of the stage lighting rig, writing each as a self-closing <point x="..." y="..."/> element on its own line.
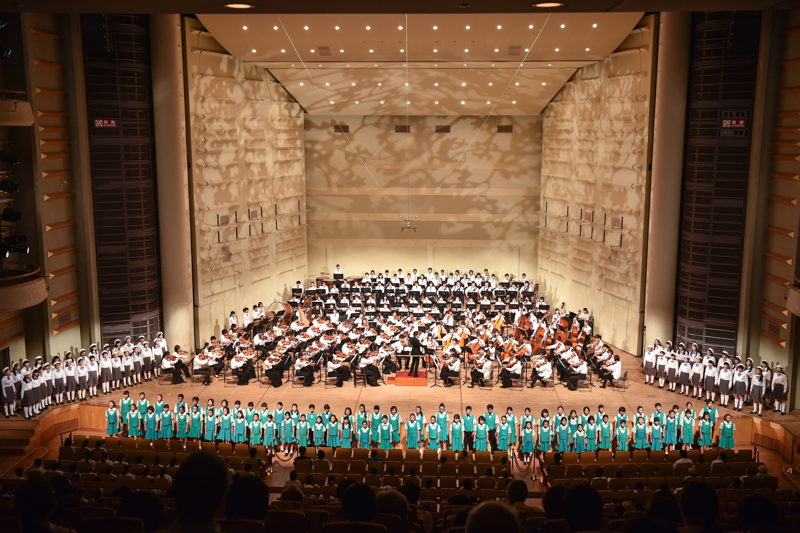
<point x="408" y="224"/>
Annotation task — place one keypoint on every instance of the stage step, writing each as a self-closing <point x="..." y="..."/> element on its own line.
<point x="403" y="379"/>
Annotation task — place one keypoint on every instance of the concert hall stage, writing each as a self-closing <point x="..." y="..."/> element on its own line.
<point x="404" y="379"/>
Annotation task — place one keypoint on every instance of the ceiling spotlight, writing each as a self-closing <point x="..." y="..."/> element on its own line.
<point x="543" y="83"/>
<point x="10" y="215"/>
<point x="379" y="84"/>
<point x="436" y="27"/>
<point x="563" y="26"/>
<point x="407" y="102"/>
<point x="465" y="64"/>
<point x="548" y="4"/>
<point x="496" y="49"/>
<point x="353" y="84"/>
<point x="488" y="102"/>
<point x="341" y="51"/>
<point x="320" y="64"/>
<point x="399" y="27"/>
<point x="587" y="49"/>
<point x="402" y="50"/>
<point x="370" y="51"/>
<point x="244" y="27"/>
<point x="594" y="25"/>
<point x="556" y="49"/>
<point x="513" y="101"/>
<point x="274" y="27"/>
<point x="239" y="6"/>
<point x="463" y="84"/>
<point x="499" y="26"/>
<point x="367" y="27"/>
<point x="530" y="27"/>
<point x="283" y="51"/>
<point x="435" y="84"/>
<point x="381" y="101"/>
<point x="331" y="101"/>
<point x="305" y="27"/>
<point x="356" y="101"/>
<point x="516" y="83"/>
<point x="435" y="50"/>
<point x="301" y="84"/>
<point x="312" y="50"/>
<point x="463" y="102"/>
<point x="435" y="65"/>
<point x="406" y="84"/>
<point x="292" y="65"/>
<point x="467" y="27"/>
<point x="436" y="102"/>
<point x="490" y="84"/>
<point x="336" y="27"/>
<point x="327" y="84"/>
<point x="527" y="49"/>
<point x="254" y="50"/>
<point x="376" y="64"/>
<point x="466" y="49"/>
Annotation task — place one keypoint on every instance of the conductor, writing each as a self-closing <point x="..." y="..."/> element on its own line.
<point x="416" y="355"/>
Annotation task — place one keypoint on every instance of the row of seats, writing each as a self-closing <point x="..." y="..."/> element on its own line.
<point x="673" y="482"/>
<point x="644" y="456"/>
<point x="649" y="469"/>
<point x="357" y="467"/>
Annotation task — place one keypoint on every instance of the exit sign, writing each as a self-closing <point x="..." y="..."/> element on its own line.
<point x="105" y="123"/>
<point x="733" y="123"/>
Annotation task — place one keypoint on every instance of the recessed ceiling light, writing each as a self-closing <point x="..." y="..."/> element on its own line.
<point x="320" y="64"/>
<point x="544" y="83"/>
<point x="239" y="6"/>
<point x="376" y="64"/>
<point x="513" y="101"/>
<point x="465" y="64"/>
<point x="305" y="27"/>
<point x="301" y="84"/>
<point x="435" y="65"/>
<point x="466" y="49"/>
<point x="327" y="84"/>
<point x="530" y="27"/>
<point x="556" y="49"/>
<point x="367" y="27"/>
<point x="370" y="51"/>
<point x="488" y="102"/>
<point x="348" y="65"/>
<point x="549" y="64"/>
<point x="490" y="84"/>
<point x="516" y="83"/>
<point x="436" y="102"/>
<point x="341" y="51"/>
<point x="436" y="27"/>
<point x="254" y="50"/>
<point x="337" y="27"/>
<point x="353" y="84"/>
<point x="402" y="50"/>
<point x="380" y="84"/>
<point x="244" y="27"/>
<point x="407" y="102"/>
<point x="292" y="65"/>
<point x="467" y="27"/>
<point x="435" y="50"/>
<point x="406" y="84"/>
<point x="331" y="101"/>
<point x="563" y="25"/>
<point x="356" y="101"/>
<point x="499" y="26"/>
<point x="496" y="49"/>
<point x="435" y="84"/>
<point x="594" y="25"/>
<point x="462" y="101"/>
<point x="283" y="51"/>
<point x="399" y="27"/>
<point x="463" y="84"/>
<point x="274" y="27"/>
<point x="492" y="64"/>
<point x="548" y="4"/>
<point x="381" y="101"/>
<point x="527" y="49"/>
<point x="587" y="49"/>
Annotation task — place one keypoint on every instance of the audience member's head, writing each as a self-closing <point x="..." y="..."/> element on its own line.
<point x="552" y="502"/>
<point x="248" y="498"/>
<point x="517" y="491"/>
<point x="145" y="506"/>
<point x="201" y="475"/>
<point x="34" y="503"/>
<point x="343" y="486"/>
<point x="392" y="502"/>
<point x="492" y="516"/>
<point x="358" y="503"/>
<point x="699" y="503"/>
<point x="585" y="498"/>
<point x="759" y="512"/>
<point x="292" y="494"/>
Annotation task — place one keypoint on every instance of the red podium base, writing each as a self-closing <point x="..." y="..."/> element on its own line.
<point x="404" y="379"/>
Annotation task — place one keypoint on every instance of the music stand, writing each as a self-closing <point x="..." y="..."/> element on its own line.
<point x="338" y="277"/>
<point x="436" y="370"/>
<point x="297" y="291"/>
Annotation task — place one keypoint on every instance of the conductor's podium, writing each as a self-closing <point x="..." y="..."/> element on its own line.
<point x="404" y="379"/>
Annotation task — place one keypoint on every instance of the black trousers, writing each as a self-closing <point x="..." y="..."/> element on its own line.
<point x="506" y="376"/>
<point x="469" y="443"/>
<point x="446" y="373"/>
<point x="275" y="375"/>
<point x="414" y="370"/>
<point x="476" y="375"/>
<point x="180" y="365"/>
<point x="308" y="375"/>
<point x="242" y="374"/>
<point x="342" y="374"/>
<point x="205" y="372"/>
<point x="401" y="359"/>
<point x="176" y="375"/>
<point x="608" y="377"/>
<point x="572" y="383"/>
<point x="372" y="374"/>
<point x="534" y="378"/>
<point x="493" y="439"/>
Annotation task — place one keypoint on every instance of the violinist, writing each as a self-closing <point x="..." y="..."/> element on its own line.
<point x="200" y="366"/>
<point x="304" y="367"/>
<point x="367" y="366"/>
<point x="239" y="368"/>
<point x="482" y="370"/>
<point x="274" y="368"/>
<point x="173" y="364"/>
<point x="577" y="373"/>
<point x="451" y="367"/>
<point x="541" y="370"/>
<point x="512" y="369"/>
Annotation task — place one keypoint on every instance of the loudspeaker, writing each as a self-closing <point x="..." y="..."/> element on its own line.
<point x="793" y="301"/>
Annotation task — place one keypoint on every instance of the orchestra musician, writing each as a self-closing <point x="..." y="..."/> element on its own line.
<point x="173" y="364"/>
<point x="339" y="370"/>
<point x="482" y="370"/>
<point x="200" y="366"/>
<point x="274" y="368"/>
<point x="512" y="369"/>
<point x="239" y="368"/>
<point x="304" y="367"/>
<point x="577" y="372"/>
<point x="541" y="370"/>
<point x="367" y="366"/>
<point x="451" y="367"/>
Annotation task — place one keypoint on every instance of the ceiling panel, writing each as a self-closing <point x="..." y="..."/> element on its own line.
<point x="504" y="64"/>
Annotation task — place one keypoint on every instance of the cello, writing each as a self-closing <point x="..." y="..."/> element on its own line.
<point x="523" y="328"/>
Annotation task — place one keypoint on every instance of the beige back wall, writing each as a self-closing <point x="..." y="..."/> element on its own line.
<point x="484" y="216"/>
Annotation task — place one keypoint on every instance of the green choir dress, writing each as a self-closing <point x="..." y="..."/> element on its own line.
<point x="211" y="426"/>
<point x="412" y="435"/>
<point x="112" y="418"/>
<point x="522" y="421"/>
<point x="166" y="425"/>
<point x="655" y="434"/>
<point x="240" y="430"/>
<point x="512" y="424"/>
<point x="375" y="422"/>
<point x="605" y="436"/>
<point x="302" y="433"/>
<point x="433" y="436"/>
<point x="255" y="432"/>
<point x="687" y="433"/>
<point x="457" y="436"/>
<point x="579" y="441"/>
<point x="544" y="439"/>
<point x="640" y="437"/>
<point x="562" y="438"/>
<point x="269" y="433"/>
<point x="503" y="438"/>
<point x="124" y="409"/>
<point x="319" y="434"/>
<point x="363" y="437"/>
<point x="622" y="439"/>
<point x="481" y="434"/>
<point x="527" y="436"/>
<point x="394" y="421"/>
<point x="347" y="436"/>
<point x="287" y="431"/>
<point x="150" y="422"/>
<point x="225" y="429"/>
<point x="671" y="431"/>
<point x="705" y="433"/>
<point x="196" y="425"/>
<point x="183" y="420"/>
<point x="441" y="421"/>
<point x="726" y="435"/>
<point x="591" y="437"/>
<point x="333" y="435"/>
<point x="134" y="419"/>
<point x="385" y="436"/>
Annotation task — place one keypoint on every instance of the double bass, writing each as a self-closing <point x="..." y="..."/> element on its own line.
<point x="523" y="328"/>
